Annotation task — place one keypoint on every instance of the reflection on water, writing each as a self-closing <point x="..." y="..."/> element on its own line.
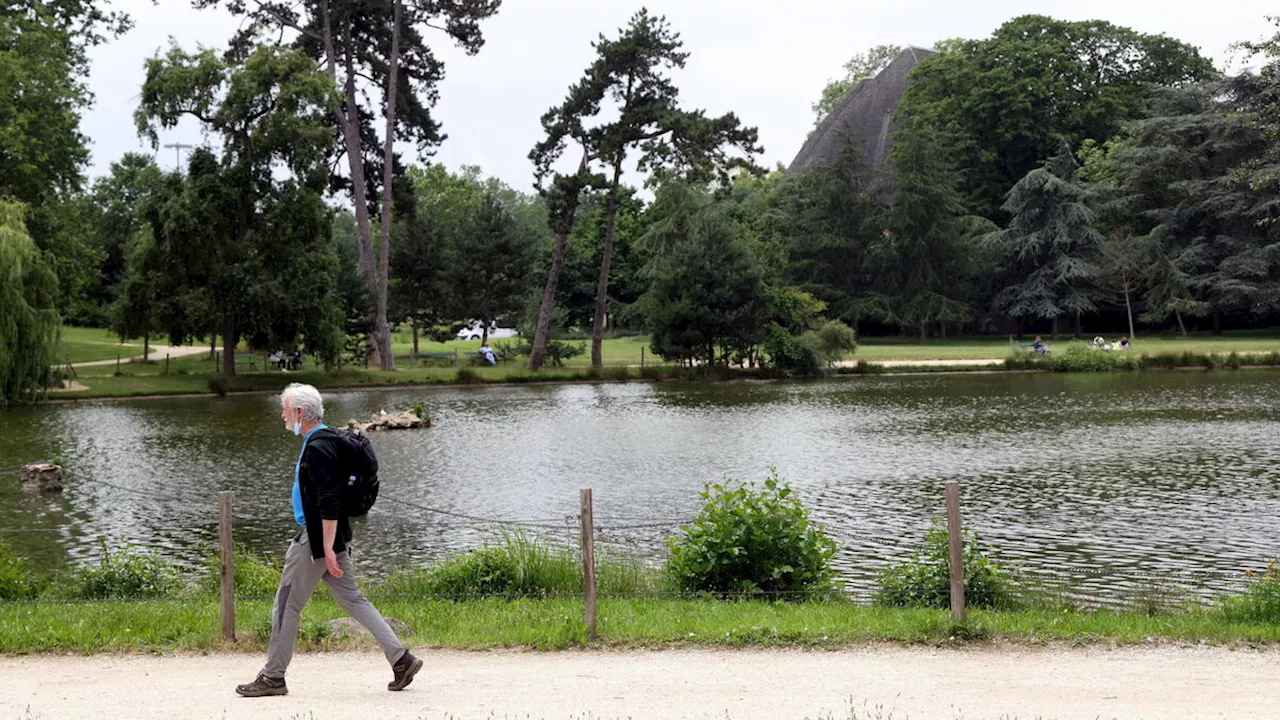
<point x="1157" y="472"/>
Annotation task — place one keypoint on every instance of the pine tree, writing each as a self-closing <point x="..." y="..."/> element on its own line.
<point x="1050" y="248"/>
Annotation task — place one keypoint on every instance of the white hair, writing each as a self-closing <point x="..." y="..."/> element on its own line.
<point x="305" y="398"/>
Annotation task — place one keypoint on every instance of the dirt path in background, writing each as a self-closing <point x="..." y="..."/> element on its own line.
<point x="881" y="682"/>
<point x="157" y="353"/>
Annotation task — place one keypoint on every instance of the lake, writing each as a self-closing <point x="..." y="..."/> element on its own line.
<point x="1115" y="481"/>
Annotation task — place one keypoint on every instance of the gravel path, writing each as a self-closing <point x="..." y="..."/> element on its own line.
<point x="157" y="353"/>
<point x="880" y="682"/>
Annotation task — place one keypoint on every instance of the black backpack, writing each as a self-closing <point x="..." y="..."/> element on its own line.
<point x="360" y="470"/>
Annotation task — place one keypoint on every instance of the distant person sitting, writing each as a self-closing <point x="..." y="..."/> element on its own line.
<point x="295" y="360"/>
<point x="1039" y="346"/>
<point x="1123" y="344"/>
<point x="486" y="352"/>
<point x="276" y="358"/>
<point x="1100" y="343"/>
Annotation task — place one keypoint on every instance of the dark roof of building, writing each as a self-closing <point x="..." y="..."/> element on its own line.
<point x="866" y="113"/>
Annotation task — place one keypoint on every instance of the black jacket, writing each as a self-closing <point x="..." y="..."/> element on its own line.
<point x="320" y="484"/>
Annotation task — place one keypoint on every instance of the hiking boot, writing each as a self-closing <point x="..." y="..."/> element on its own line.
<point x="265" y="686"/>
<point x="404" y="669"/>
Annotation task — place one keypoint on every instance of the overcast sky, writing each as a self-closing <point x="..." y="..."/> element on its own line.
<point x="766" y="60"/>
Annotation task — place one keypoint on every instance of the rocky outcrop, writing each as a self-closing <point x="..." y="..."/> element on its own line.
<point x="406" y="420"/>
<point x="41" y="478"/>
<point x="865" y="116"/>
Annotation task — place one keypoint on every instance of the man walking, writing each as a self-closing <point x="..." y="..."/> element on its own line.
<point x="319" y="550"/>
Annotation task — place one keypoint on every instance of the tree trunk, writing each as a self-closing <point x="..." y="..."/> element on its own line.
<point x="1053" y="328"/>
<point x="230" y="338"/>
<point x="383" y="332"/>
<point x="1217" y="322"/>
<point x="414" y="325"/>
<point x="1079" y="324"/>
<point x="942" y="330"/>
<point x="1128" y="306"/>
<point x="146" y="346"/>
<point x="922" y="334"/>
<point x="213" y="346"/>
<point x="484" y="334"/>
<point x="349" y="124"/>
<point x="1182" y="329"/>
<point x="543" y="331"/>
<point x="602" y="288"/>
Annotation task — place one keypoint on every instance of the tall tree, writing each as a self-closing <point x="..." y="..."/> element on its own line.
<point x="707" y="301"/>
<point x="1008" y="101"/>
<point x="237" y="243"/>
<point x="924" y="254"/>
<point x="1050" y="248"/>
<point x="829" y="220"/>
<point x="29" y="330"/>
<point x="630" y="71"/>
<point x="111" y="214"/>
<point x="860" y="67"/>
<point x="379" y="44"/>
<point x="44" y="66"/>
<point x="489" y="263"/>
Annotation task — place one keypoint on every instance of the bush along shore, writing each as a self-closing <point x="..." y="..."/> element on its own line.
<point x="1074" y="359"/>
<point x="750" y="569"/>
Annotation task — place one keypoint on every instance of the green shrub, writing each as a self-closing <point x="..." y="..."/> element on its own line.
<point x="18" y="580"/>
<point x="467" y="376"/>
<point x="924" y="580"/>
<point x="1260" y="601"/>
<point x="219" y="385"/>
<point x="516" y="565"/>
<point x="556" y="352"/>
<point x="1082" y="358"/>
<point x="787" y="353"/>
<point x="124" y="574"/>
<point x="751" y="539"/>
<point x="420" y="410"/>
<point x="254" y="574"/>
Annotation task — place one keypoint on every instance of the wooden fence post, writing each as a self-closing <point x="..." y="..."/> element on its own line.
<point x="589" y="561"/>
<point x="117" y="363"/>
<point x="227" y="567"/>
<point x="955" y="536"/>
<point x="166" y="363"/>
<point x="641" y="357"/>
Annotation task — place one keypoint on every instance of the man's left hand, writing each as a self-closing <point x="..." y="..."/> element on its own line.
<point x="331" y="563"/>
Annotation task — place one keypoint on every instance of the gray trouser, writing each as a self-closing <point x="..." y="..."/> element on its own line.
<point x="299" y="579"/>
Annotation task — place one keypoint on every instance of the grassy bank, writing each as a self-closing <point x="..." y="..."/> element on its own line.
<point x="193" y="625"/>
<point x="191" y="375"/>
<point x="92" y="344"/>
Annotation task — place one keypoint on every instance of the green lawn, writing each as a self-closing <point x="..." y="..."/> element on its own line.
<point x="616" y="351"/>
<point x="622" y="355"/>
<point x="192" y="624"/>
<point x="898" y="348"/>
<point x="90" y="344"/>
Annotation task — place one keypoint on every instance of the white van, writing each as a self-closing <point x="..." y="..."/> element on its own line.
<point x="475" y="331"/>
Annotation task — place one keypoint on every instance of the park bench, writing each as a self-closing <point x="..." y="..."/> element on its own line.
<point x="445" y="358"/>
<point x="252" y="357"/>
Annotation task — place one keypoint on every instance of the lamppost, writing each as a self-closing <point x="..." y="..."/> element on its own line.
<point x="177" y="153"/>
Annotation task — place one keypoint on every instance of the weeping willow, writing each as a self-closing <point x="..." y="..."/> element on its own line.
<point x="29" y="324"/>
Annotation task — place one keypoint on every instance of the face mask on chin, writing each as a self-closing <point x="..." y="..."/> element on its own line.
<point x="297" y="428"/>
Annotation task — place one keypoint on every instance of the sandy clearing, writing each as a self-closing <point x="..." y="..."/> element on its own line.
<point x="1146" y="682"/>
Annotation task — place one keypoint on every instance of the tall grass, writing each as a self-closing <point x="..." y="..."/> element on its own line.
<point x="517" y="565"/>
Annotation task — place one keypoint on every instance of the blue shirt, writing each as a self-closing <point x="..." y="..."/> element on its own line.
<point x="297" y="489"/>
